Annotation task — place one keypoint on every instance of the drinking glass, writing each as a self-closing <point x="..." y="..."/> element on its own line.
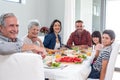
<point x="57" y="55"/>
<point x="88" y="52"/>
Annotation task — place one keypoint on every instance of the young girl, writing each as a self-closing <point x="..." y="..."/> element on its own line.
<point x="96" y="40"/>
<point x="99" y="67"/>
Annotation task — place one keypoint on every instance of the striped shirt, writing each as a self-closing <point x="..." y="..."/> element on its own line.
<point x="104" y="55"/>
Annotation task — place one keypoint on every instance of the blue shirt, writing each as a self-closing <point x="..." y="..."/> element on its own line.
<point x="50" y="40"/>
<point x="9" y="47"/>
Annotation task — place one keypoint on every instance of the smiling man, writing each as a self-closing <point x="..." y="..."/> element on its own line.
<point x="80" y="37"/>
<point x="9" y="43"/>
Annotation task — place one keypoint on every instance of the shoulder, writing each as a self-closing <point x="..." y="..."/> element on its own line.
<point x="105" y="52"/>
<point x="108" y="48"/>
<point x="73" y="33"/>
<point x="2" y="38"/>
<point x="85" y="31"/>
<point x="27" y="40"/>
<point x="50" y="34"/>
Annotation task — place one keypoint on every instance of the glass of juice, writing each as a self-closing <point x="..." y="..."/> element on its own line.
<point x="57" y="55"/>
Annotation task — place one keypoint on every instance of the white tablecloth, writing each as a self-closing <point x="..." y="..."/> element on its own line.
<point x="71" y="72"/>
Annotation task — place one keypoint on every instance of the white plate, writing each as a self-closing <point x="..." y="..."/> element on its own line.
<point x="61" y="66"/>
<point x="45" y="66"/>
<point x="69" y="51"/>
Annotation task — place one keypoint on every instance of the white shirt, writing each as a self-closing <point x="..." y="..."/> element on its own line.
<point x="57" y="45"/>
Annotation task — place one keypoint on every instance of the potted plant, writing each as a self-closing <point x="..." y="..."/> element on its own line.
<point x="44" y="30"/>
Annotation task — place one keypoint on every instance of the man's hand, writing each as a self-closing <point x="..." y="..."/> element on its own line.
<point x="43" y="55"/>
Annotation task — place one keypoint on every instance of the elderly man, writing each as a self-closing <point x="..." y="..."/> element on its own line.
<point x="80" y="37"/>
<point x="9" y="43"/>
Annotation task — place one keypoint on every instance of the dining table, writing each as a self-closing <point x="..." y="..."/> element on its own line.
<point x="70" y="71"/>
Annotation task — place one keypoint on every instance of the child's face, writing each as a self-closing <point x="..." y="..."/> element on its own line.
<point x="95" y="40"/>
<point x="106" y="40"/>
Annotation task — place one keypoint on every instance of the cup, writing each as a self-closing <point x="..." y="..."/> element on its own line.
<point x="57" y="55"/>
<point x="88" y="53"/>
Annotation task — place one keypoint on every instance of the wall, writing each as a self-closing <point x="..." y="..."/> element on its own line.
<point x="33" y="9"/>
<point x="56" y="11"/>
<point x="86" y="13"/>
<point x="77" y="9"/>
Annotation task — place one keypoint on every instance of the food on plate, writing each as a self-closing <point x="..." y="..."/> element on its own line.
<point x="63" y="54"/>
<point x="76" y="53"/>
<point x="82" y="56"/>
<point x="53" y="64"/>
<point x="49" y="64"/>
<point x="52" y="51"/>
<point x="83" y="51"/>
<point x="69" y="52"/>
<point x="70" y="59"/>
<point x="76" y="48"/>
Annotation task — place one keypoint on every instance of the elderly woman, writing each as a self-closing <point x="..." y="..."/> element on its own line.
<point x="32" y="36"/>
